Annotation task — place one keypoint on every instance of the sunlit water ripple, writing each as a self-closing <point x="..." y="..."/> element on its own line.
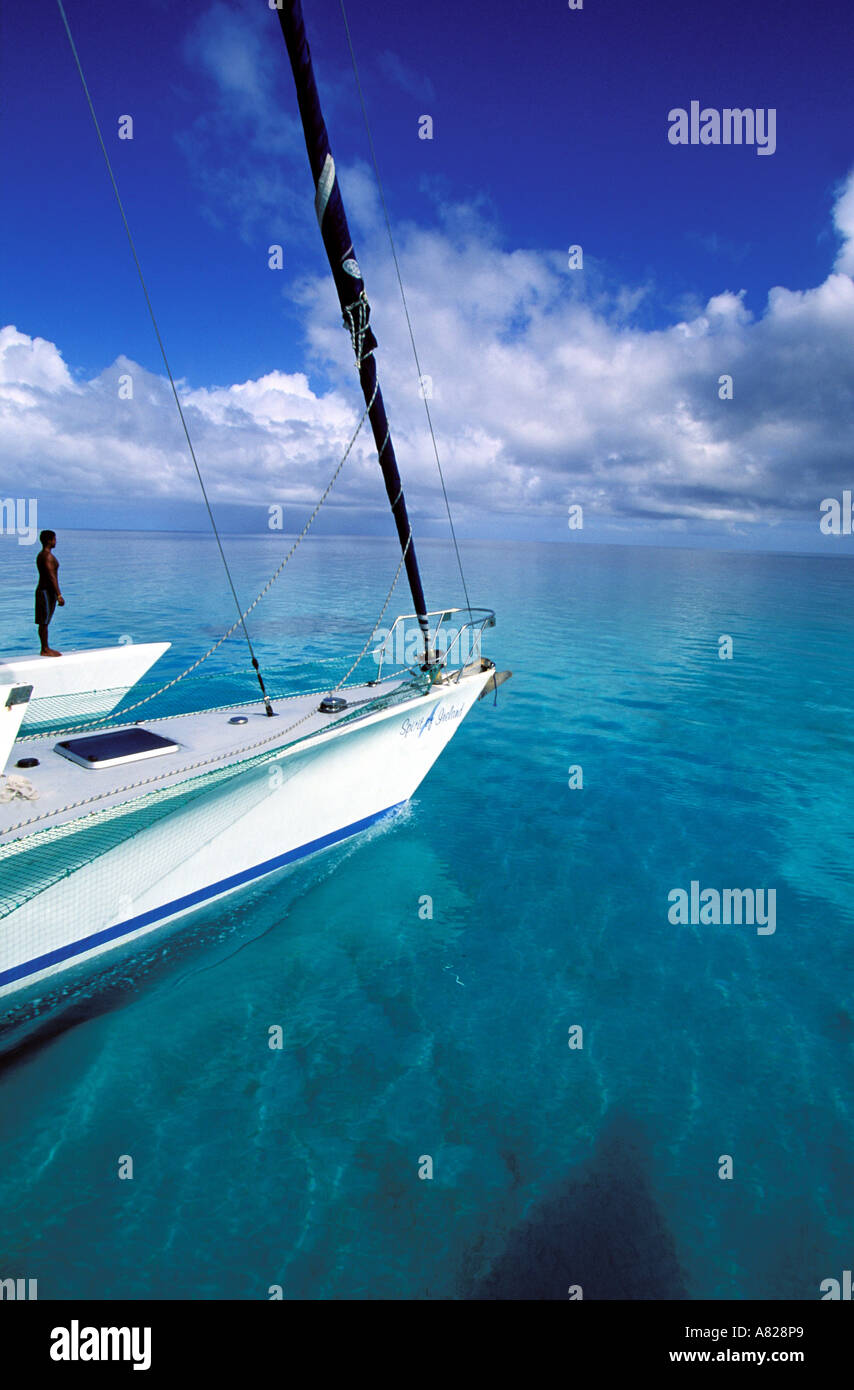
<point x="448" y="1037"/>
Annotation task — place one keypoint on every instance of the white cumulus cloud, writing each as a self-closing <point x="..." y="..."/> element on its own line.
<point x="542" y="394"/>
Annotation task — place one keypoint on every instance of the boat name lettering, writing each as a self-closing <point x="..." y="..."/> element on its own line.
<point x="438" y="715"/>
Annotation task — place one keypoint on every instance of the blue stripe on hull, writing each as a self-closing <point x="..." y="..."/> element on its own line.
<point x="213" y="890"/>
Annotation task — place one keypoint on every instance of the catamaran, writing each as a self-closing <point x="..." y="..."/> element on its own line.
<point x="112" y="828"/>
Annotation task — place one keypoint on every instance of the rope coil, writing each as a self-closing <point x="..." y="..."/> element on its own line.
<point x="357" y="320"/>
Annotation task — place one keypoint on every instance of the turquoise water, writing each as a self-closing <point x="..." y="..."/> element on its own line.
<point x="406" y="1037"/>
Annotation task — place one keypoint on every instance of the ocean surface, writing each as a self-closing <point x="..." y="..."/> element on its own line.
<point x="407" y="1038"/>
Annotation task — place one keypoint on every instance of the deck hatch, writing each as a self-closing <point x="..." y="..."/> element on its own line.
<point x="115" y="747"/>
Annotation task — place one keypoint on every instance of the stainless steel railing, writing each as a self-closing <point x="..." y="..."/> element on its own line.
<point x="478" y="620"/>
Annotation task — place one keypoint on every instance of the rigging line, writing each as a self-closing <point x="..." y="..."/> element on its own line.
<point x="7" y="848"/>
<point x="126" y="709"/>
<point x="380" y="618"/>
<point x="241" y="620"/>
<point x="403" y="298"/>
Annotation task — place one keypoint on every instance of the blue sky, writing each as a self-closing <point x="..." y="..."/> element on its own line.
<point x="550" y="386"/>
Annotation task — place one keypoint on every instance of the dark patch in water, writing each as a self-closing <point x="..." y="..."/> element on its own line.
<point x="512" y="1162"/>
<point x="18" y="1046"/>
<point x="600" y="1228"/>
<point x="58" y="1012"/>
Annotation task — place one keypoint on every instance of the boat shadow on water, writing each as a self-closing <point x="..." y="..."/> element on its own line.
<point x="600" y="1228"/>
<point x="82" y="995"/>
<point x="206" y="939"/>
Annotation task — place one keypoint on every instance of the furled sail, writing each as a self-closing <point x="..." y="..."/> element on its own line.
<point x="349" y="284"/>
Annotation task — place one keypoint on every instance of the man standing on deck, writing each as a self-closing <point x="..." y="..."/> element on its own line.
<point x="47" y="594"/>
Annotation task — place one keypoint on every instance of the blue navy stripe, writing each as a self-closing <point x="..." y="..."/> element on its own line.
<point x="145" y="919"/>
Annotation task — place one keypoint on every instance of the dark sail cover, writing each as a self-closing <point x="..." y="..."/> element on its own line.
<point x="348" y="281"/>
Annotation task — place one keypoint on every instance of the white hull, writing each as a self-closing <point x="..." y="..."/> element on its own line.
<point x="79" y="685"/>
<point x="317" y="793"/>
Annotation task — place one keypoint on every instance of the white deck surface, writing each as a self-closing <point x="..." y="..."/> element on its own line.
<point x="61" y="783"/>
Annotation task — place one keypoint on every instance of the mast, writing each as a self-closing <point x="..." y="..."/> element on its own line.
<point x="332" y="218"/>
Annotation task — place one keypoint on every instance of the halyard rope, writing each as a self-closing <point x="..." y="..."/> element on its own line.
<point x="357" y="321"/>
<point x="241" y="621"/>
<point x="405" y="305"/>
<point x="99" y="723"/>
<point x="379" y="619"/>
